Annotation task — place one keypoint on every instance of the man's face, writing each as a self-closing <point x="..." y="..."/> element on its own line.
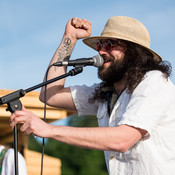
<point x="114" y="66"/>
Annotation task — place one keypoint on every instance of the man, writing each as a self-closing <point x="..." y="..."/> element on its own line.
<point x="7" y="164"/>
<point x="134" y="104"/>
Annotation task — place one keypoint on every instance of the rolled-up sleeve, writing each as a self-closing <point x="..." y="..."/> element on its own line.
<point x="80" y="96"/>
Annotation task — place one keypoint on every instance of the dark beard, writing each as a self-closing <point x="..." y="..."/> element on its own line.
<point x="114" y="73"/>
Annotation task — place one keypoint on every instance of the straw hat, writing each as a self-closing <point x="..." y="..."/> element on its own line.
<point x="125" y="28"/>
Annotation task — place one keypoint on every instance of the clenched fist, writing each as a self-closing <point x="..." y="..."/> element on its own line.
<point x="78" y="28"/>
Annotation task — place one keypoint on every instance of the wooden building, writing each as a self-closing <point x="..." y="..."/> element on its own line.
<point x="52" y="166"/>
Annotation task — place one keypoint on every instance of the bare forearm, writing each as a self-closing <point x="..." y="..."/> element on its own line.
<point x="91" y="138"/>
<point x="62" y="54"/>
<point x="99" y="138"/>
<point x="74" y="30"/>
<point x="119" y="138"/>
<point x="57" y="95"/>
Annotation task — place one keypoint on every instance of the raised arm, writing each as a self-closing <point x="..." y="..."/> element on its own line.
<point x="57" y="94"/>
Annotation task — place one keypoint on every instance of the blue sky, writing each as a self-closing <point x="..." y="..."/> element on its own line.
<point x="30" y="32"/>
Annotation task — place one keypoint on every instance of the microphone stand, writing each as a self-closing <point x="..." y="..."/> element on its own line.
<point x="14" y="104"/>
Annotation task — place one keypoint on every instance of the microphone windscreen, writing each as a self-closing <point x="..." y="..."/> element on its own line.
<point x="98" y="61"/>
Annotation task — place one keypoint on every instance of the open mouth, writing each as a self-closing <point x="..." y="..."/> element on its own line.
<point x="106" y="60"/>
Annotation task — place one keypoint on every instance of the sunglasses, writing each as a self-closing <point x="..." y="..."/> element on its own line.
<point x="108" y="45"/>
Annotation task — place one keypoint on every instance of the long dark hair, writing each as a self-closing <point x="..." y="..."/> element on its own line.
<point x="139" y="61"/>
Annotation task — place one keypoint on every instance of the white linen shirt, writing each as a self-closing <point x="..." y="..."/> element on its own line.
<point x="150" y="107"/>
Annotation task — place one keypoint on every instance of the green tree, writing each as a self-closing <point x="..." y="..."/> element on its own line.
<point x="75" y="160"/>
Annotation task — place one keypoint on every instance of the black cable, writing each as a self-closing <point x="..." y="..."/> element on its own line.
<point x="45" y="100"/>
<point x="72" y="72"/>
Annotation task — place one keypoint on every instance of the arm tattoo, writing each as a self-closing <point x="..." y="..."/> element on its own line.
<point x="65" y="50"/>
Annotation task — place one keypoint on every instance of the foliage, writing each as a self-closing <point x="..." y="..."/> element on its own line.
<point x="75" y="160"/>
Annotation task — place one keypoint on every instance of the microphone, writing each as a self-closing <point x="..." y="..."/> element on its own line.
<point x="96" y="61"/>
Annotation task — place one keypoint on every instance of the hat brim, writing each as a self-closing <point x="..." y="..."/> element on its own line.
<point x="91" y="42"/>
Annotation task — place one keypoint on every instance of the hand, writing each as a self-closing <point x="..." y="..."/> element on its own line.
<point x="31" y="124"/>
<point x="78" y="28"/>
